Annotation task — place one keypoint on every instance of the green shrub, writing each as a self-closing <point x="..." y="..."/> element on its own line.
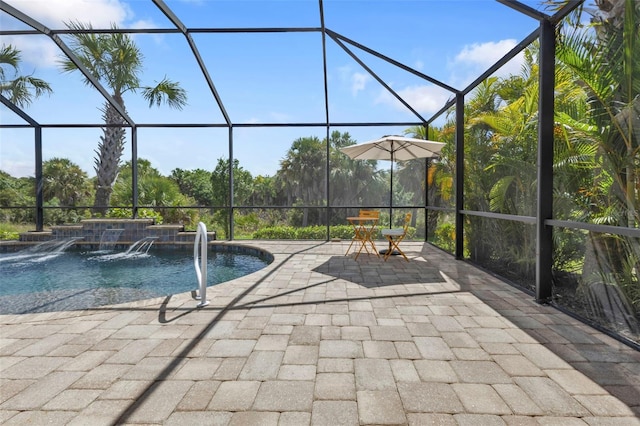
<point x="311" y="233"/>
<point x="12" y="231"/>
<point x="246" y="224"/>
<point x="445" y="237"/>
<point x="275" y="233"/>
<point x="142" y="214"/>
<point x="343" y="232"/>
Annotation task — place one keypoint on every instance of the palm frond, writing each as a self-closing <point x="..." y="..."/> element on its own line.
<point x="23" y="89"/>
<point x="165" y="91"/>
<point x="10" y="56"/>
<point x="499" y="194"/>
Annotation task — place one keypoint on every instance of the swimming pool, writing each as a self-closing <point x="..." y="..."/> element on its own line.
<point x="72" y="280"/>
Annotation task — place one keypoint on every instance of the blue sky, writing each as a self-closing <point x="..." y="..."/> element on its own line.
<point x="261" y="78"/>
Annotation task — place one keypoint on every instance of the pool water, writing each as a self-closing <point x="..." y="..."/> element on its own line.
<point x="72" y="280"/>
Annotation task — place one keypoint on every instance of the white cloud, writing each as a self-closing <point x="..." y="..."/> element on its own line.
<point x="344" y="72"/>
<point x="42" y="52"/>
<point x="53" y="13"/>
<point x="424" y="99"/>
<point x="484" y="54"/>
<point x="476" y="58"/>
<point x="18" y="168"/>
<point x="37" y="51"/>
<point x="143" y="24"/>
<point x="358" y="82"/>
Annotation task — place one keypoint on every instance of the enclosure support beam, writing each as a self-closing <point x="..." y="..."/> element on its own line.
<point x="231" y="186"/>
<point x="134" y="172"/>
<point x="427" y="164"/>
<point x="39" y="180"/>
<point x="459" y="250"/>
<point x="544" y="232"/>
<point x="327" y="183"/>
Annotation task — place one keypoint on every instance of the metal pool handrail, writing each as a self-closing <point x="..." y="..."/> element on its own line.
<point x="201" y="270"/>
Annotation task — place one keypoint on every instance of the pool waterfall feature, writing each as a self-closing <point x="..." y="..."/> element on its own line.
<point x="96" y="234"/>
<point x="109" y="238"/>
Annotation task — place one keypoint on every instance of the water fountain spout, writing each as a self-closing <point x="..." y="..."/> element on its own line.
<point x="53" y="246"/>
<point x="141" y="246"/>
<point x="43" y="251"/>
<point x="109" y="238"/>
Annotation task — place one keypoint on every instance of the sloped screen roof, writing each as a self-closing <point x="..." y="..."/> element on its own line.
<point x="377" y="65"/>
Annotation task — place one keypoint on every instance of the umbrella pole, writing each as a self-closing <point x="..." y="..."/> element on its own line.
<point x="395" y="252"/>
<point x="391" y="192"/>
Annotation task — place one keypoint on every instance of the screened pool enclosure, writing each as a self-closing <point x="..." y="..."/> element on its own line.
<point x="234" y="113"/>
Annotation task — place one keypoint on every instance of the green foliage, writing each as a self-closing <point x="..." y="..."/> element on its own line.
<point x="354" y="182"/>
<point x="342" y="232"/>
<point x="264" y="191"/>
<point x="65" y="182"/>
<point x="156" y="190"/>
<point x="178" y="213"/>
<point x="242" y="179"/>
<point x="246" y="224"/>
<point x="604" y="63"/>
<point x="11" y="231"/>
<point x="316" y="232"/>
<point x="124" y="213"/>
<point x="195" y="184"/>
<point x="568" y="250"/>
<point x="445" y="237"/>
<point x="293" y="233"/>
<point x="9" y="235"/>
<point x="62" y="215"/>
<point x="274" y="233"/>
<point x="16" y="192"/>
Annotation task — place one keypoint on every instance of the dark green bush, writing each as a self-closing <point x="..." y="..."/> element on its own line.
<point x="343" y="232"/>
<point x="307" y="233"/>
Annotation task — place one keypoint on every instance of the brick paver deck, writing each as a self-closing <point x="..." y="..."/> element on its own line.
<point x="322" y="339"/>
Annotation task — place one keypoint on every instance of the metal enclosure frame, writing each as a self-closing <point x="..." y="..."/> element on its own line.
<point x="545" y="34"/>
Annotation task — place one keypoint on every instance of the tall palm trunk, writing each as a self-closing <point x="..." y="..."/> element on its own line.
<point x="109" y="153"/>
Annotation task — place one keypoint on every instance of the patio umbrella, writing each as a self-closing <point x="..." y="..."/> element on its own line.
<point x="393" y="148"/>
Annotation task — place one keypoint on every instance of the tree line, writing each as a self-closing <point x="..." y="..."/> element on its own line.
<point x="175" y="198"/>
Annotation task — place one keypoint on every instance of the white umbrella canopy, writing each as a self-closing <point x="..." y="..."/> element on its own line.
<point x="394" y="148"/>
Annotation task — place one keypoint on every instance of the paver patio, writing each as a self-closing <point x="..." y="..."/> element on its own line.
<point x="320" y="338"/>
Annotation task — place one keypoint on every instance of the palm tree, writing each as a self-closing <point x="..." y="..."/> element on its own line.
<point x="606" y="64"/>
<point x="439" y="180"/>
<point x="65" y="181"/>
<point x="301" y="174"/>
<point x="115" y="61"/>
<point x="19" y="89"/>
<point x="221" y="198"/>
<point x="352" y="182"/>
